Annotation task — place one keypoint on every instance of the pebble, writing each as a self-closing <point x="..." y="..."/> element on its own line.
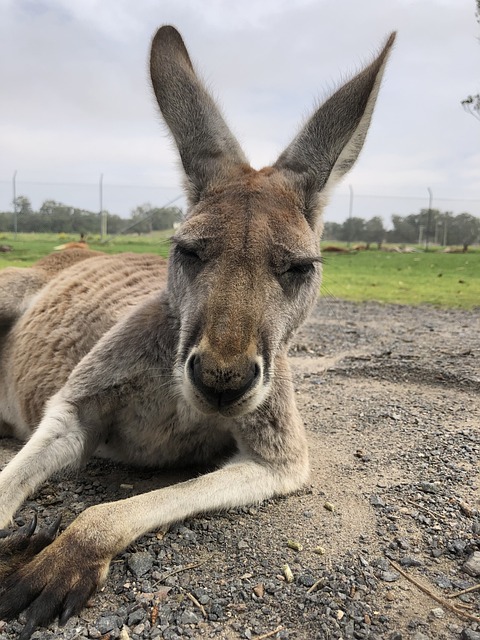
<point x="105" y="624"/>
<point x="140" y="563"/>
<point x="408" y="561"/>
<point x="472" y="565"/>
<point x="389" y="576"/>
<point x="429" y="487"/>
<point x="377" y="501"/>
<point x="136" y="617"/>
<point x="469" y="634"/>
<point x="438" y="612"/>
<point x="189" y="617"/>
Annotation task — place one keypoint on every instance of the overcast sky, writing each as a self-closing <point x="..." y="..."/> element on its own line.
<point x="76" y="100"/>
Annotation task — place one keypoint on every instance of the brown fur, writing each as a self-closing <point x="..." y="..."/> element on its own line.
<point x="81" y="244"/>
<point x="18" y="285"/>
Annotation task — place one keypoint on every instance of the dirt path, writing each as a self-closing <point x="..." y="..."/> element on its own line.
<point x="390" y="397"/>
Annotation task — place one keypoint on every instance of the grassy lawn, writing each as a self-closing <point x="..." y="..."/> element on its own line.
<point x="29" y="247"/>
<point x="443" y="279"/>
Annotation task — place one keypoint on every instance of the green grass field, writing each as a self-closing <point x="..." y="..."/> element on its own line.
<point x="29" y="247"/>
<point x="442" y="279"/>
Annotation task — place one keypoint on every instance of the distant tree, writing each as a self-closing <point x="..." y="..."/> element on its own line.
<point x="146" y="218"/>
<point x="165" y="218"/>
<point x="374" y="231"/>
<point x="332" y="231"/>
<point x="404" y="230"/>
<point x="141" y="221"/>
<point x="471" y="104"/>
<point x="464" y="229"/>
<point x="23" y="206"/>
<point x="353" y="229"/>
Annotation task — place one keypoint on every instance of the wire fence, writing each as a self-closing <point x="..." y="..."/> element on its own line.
<point x="122" y="199"/>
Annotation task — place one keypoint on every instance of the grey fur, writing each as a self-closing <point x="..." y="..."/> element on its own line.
<point x="119" y="367"/>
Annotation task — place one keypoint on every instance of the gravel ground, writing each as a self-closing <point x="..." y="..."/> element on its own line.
<point x="390" y="396"/>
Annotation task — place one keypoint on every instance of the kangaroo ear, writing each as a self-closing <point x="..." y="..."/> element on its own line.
<point x="329" y="144"/>
<point x="208" y="149"/>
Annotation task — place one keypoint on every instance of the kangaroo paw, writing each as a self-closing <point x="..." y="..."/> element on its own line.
<point x="19" y="547"/>
<point x="56" y="582"/>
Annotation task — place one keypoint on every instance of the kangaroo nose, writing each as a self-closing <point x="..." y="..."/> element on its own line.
<point x="221" y="388"/>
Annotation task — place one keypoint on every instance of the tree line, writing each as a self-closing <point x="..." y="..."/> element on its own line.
<point x="56" y="217"/>
<point x="430" y="226"/>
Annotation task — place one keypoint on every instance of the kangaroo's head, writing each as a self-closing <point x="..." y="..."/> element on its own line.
<point x="245" y="266"/>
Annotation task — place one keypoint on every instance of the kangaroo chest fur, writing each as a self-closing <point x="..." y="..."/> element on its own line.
<point x="155" y="429"/>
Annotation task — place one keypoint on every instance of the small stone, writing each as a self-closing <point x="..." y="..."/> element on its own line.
<point x="403" y="544"/>
<point x="419" y="636"/>
<point x="321" y="551"/>
<point x="136" y="617"/>
<point x="188" y="617"/>
<point x="408" y="561"/>
<point x="139" y="629"/>
<point x="429" y="487"/>
<point x="140" y="563"/>
<point x="216" y="612"/>
<point x="340" y="614"/>
<point x="329" y="506"/>
<point x="377" y="501"/>
<point x="259" y="590"/>
<point x="438" y="612"/>
<point x="443" y="582"/>
<point x="242" y="544"/>
<point x="106" y="624"/>
<point x="469" y="634"/>
<point x="390" y="596"/>
<point x="306" y="579"/>
<point x="472" y="565"/>
<point x="389" y="576"/>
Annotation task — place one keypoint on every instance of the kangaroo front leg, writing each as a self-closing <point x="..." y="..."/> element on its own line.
<point x="60" y="580"/>
<point x="61" y="439"/>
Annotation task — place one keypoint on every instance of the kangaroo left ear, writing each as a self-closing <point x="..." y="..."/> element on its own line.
<point x="329" y="144"/>
<point x="207" y="148"/>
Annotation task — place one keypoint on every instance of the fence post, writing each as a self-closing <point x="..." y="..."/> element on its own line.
<point x="14" y="185"/>
<point x="429" y="215"/>
<point x="103" y="214"/>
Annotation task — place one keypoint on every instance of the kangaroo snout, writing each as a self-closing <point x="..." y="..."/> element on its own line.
<point x="222" y="386"/>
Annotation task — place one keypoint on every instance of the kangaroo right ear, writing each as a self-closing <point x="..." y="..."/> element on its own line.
<point x="329" y="144"/>
<point x="208" y="149"/>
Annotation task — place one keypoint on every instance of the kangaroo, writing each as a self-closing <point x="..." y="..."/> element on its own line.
<point x="116" y="356"/>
